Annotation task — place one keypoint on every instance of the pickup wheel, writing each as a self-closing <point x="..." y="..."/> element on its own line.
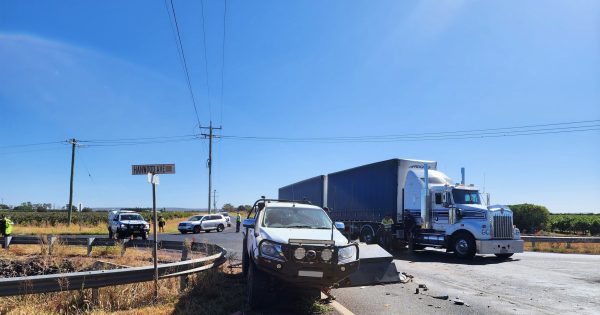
<point x="145" y="236"/>
<point x="110" y="234"/>
<point x="245" y="259"/>
<point x="463" y="245"/>
<point x="196" y="229"/>
<point x="220" y="228"/>
<point x="503" y="256"/>
<point x="257" y="285"/>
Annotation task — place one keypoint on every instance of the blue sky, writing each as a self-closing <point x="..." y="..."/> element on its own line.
<point x="110" y="69"/>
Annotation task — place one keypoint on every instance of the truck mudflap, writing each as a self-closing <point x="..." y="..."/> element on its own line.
<point x="376" y="267"/>
<point x="499" y="246"/>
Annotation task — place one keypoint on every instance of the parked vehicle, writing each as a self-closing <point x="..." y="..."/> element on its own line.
<point x="295" y="243"/>
<point x="207" y="223"/>
<point x="122" y="224"/>
<point x="227" y="218"/>
<point x="427" y="209"/>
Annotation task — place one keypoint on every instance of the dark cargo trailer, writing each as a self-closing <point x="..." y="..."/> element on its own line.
<point x="312" y="190"/>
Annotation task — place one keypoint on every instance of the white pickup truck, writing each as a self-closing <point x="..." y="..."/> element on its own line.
<point x="296" y="243"/>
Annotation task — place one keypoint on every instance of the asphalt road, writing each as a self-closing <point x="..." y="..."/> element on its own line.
<point x="529" y="283"/>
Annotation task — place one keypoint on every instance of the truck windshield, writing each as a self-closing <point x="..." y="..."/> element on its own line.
<point x="462" y="196"/>
<point x="296" y="217"/>
<point x="131" y="217"/>
<point x="196" y="218"/>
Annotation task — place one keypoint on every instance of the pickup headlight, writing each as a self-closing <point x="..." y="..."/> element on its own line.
<point x="123" y="226"/>
<point x="147" y="226"/>
<point x="346" y="254"/>
<point x="272" y="251"/>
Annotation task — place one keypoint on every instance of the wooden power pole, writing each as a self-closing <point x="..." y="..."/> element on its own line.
<point x="210" y="136"/>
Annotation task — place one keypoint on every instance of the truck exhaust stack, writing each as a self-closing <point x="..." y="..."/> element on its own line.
<point x="425" y="224"/>
<point x="462" y="175"/>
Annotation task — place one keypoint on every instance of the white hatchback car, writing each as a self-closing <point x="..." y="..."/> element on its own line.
<point x="199" y="223"/>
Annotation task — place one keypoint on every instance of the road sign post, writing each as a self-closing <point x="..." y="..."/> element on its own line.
<point x="152" y="170"/>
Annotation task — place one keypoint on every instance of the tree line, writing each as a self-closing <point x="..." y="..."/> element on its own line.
<point x="530" y="218"/>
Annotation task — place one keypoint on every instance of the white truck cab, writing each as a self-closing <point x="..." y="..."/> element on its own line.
<point x="455" y="217"/>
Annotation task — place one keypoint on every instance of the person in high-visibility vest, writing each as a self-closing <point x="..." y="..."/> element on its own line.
<point x="238" y="221"/>
<point x="7" y="227"/>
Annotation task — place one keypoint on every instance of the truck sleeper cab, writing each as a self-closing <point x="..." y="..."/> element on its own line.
<point x="295" y="243"/>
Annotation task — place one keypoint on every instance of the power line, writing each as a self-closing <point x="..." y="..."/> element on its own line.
<point x="474" y="133"/>
<point x="205" y="63"/>
<point x="187" y="73"/>
<point x="30" y="144"/>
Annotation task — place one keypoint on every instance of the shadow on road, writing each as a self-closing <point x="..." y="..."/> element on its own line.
<point x="433" y="255"/>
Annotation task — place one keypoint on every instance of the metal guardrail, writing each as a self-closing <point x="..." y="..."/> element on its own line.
<point x="560" y="239"/>
<point x="104" y="278"/>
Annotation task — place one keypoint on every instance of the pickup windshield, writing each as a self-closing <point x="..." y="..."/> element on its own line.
<point x="462" y="196"/>
<point x="296" y="217"/>
<point x="196" y="218"/>
<point x="131" y="217"/>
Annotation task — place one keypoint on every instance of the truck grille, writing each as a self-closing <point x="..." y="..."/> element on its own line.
<point x="502" y="227"/>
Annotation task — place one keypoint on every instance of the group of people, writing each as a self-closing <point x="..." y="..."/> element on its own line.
<point x="5" y="226"/>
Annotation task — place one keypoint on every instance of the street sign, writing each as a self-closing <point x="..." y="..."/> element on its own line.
<point x="153" y="168"/>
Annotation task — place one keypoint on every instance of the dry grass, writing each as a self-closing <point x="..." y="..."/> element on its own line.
<point x="576" y="248"/>
<point x="63" y="229"/>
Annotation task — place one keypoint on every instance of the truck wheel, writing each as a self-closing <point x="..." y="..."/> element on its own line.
<point x="464" y="246"/>
<point x="257" y="285"/>
<point x="220" y="228"/>
<point x="145" y="236"/>
<point x="245" y="259"/>
<point x="503" y="256"/>
<point x="110" y="234"/>
<point x="196" y="229"/>
<point x="366" y="235"/>
<point x="412" y="246"/>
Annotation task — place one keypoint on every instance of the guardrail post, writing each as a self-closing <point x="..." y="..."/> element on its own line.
<point x="533" y="244"/>
<point x="95" y="295"/>
<point x="568" y="244"/>
<point x="51" y="240"/>
<point x="183" y="280"/>
<point x="124" y="247"/>
<point x="7" y="240"/>
<point x="90" y="240"/>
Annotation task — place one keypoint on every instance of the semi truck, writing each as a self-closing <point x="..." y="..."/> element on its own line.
<point x="410" y="203"/>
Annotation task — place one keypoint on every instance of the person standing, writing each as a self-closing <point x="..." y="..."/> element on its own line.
<point x="7" y="230"/>
<point x="238" y="222"/>
<point x="161" y="223"/>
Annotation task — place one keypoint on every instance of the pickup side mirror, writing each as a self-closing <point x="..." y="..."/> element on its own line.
<point x="249" y="223"/>
<point x="340" y="226"/>
<point x="116" y="219"/>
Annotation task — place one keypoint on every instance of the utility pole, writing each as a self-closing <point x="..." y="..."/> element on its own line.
<point x="215" y="200"/>
<point x="73" y="142"/>
<point x="210" y="136"/>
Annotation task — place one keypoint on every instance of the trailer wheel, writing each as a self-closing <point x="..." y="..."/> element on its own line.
<point x="463" y="245"/>
<point x="367" y="235"/>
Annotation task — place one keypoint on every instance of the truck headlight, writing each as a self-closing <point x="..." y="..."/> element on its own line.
<point x="299" y="253"/>
<point x="271" y="250"/>
<point x="346" y="253"/>
<point x="147" y="226"/>
<point x="123" y="226"/>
